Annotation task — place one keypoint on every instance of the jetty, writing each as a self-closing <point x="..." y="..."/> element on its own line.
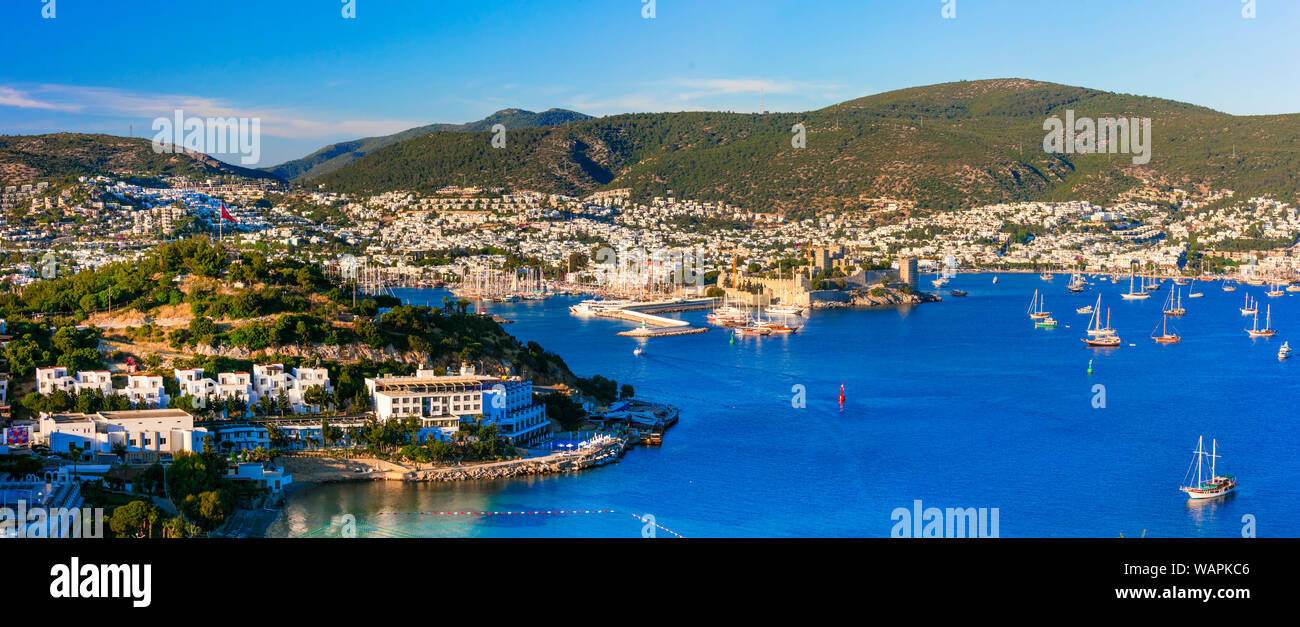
<point x="653" y="325"/>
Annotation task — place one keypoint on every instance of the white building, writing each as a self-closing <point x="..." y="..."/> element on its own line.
<point x="441" y="402"/>
<point x="273" y="478"/>
<point x="271" y="380"/>
<point x="55" y="378"/>
<point x="153" y="431"/>
<point x="142" y="389"/>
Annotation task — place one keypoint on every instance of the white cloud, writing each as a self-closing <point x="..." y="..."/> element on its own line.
<point x="693" y="94"/>
<point x="10" y="97"/>
<point x="109" y="101"/>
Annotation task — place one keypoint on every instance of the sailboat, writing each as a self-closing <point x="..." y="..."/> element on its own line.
<point x="1098" y="335"/>
<point x="1194" y="294"/>
<point x="1255" y="331"/>
<point x="1165" y="336"/>
<point x="1077" y="283"/>
<point x="1274" y="291"/>
<point x="1229" y="287"/>
<point x="1249" y="309"/>
<point x="787" y="306"/>
<point x="1174" y="304"/>
<point x="1135" y="294"/>
<point x="1036" y="308"/>
<point x="1216" y="485"/>
<point x="1046" y="276"/>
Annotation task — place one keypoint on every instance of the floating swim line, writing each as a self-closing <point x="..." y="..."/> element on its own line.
<point x="549" y="512"/>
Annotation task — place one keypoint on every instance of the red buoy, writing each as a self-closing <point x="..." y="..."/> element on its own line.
<point x="841" y="395"/>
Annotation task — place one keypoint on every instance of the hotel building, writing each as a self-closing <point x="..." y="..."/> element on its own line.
<point x="442" y="402"/>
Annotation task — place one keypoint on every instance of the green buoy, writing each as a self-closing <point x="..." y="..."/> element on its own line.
<point x="1089" y="366"/>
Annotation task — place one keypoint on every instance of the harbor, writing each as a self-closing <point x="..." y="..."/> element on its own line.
<point x="970" y="382"/>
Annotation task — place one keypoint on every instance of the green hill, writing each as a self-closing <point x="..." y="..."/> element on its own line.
<point x="335" y="156"/>
<point x="944" y="146"/>
<point x="27" y="157"/>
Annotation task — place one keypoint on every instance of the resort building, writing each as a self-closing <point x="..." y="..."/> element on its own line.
<point x="271" y="380"/>
<point x="55" y="378"/>
<point x="152" y="432"/>
<point x="141" y="389"/>
<point x="240" y="437"/>
<point x="273" y="478"/>
<point x="145" y="390"/>
<point x="442" y="402"/>
<point x="266" y="381"/>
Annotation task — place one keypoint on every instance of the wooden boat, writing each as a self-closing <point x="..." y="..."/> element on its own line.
<point x="1165" y="336"/>
<point x="1174" y="304"/>
<point x="1036" y="311"/>
<point x="1255" y="331"/>
<point x="1217" y="485"/>
<point x="1136" y="294"/>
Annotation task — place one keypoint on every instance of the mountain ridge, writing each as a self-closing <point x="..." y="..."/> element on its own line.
<point x="945" y="146"/>
<point x="337" y="155"/>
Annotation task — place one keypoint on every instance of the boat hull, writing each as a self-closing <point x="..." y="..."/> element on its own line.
<point x="1197" y="495"/>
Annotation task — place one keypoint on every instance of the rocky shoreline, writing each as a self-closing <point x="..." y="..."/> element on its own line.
<point x="881" y="298"/>
<point x="324" y="469"/>
<point x="551" y="464"/>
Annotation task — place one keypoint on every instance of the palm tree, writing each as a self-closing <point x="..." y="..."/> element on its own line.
<point x="76" y="450"/>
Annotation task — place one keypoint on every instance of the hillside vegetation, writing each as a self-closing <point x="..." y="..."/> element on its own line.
<point x="944" y="146"/>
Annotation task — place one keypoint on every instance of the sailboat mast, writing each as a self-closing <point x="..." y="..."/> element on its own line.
<point x="1200" y="453"/>
<point x="1214" y="458"/>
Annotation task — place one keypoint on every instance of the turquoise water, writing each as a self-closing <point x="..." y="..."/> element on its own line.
<point x="958" y="404"/>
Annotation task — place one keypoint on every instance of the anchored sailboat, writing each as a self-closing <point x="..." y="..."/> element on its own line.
<point x="1136" y="294"/>
<point x="1036" y="311"/>
<point x="1217" y="485"/>
<point x="1250" y="309"/>
<point x="1255" y="331"/>
<point x="1165" y="336"/>
<point x="1174" y="304"/>
<point x="1104" y="337"/>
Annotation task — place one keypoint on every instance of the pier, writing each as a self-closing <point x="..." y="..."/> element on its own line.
<point x="656" y="326"/>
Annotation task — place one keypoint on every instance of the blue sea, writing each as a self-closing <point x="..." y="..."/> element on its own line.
<point x="956" y="404"/>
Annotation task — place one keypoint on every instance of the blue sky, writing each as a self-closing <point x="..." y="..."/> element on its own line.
<point x="313" y="77"/>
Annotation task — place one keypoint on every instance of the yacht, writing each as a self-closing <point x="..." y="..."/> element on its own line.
<point x="1165" y="336"/>
<point x="1255" y="331"/>
<point x="1036" y="311"/>
<point x="1249" y="309"/>
<point x="1216" y="485"/>
<point x="1136" y="294"/>
<point x="1284" y="352"/>
<point x="1174" y="304"/>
